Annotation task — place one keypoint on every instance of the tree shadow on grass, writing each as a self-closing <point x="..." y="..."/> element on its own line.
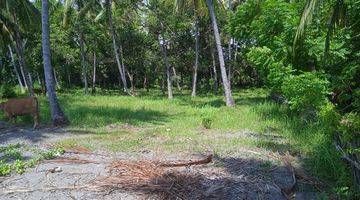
<point x="13" y="134"/>
<point x="97" y="116"/>
<point x="250" y="100"/>
<point x="321" y="159"/>
<point x="217" y="102"/>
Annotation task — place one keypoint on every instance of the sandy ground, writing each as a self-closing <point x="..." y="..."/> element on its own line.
<point x="240" y="177"/>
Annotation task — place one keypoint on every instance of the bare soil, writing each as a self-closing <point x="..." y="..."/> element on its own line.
<point x="81" y="174"/>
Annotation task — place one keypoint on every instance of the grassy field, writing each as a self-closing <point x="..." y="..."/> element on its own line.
<point x="191" y="125"/>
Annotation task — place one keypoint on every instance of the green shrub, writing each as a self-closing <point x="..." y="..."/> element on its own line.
<point x="278" y="73"/>
<point x="47" y="155"/>
<point x="206" y="122"/>
<point x="260" y="58"/>
<point x="6" y="91"/>
<point x="306" y="93"/>
<point x="5" y="169"/>
<point x="19" y="166"/>
<point x="271" y="72"/>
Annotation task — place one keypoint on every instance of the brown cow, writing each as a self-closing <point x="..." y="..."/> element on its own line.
<point x="22" y="106"/>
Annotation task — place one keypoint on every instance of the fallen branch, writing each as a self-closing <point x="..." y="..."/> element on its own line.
<point x="207" y="160"/>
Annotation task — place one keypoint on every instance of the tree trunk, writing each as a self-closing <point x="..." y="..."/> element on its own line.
<point x="167" y="65"/>
<point x="145" y="86"/>
<point x="226" y="84"/>
<point x="22" y="74"/>
<point x="56" y="79"/>
<point x="115" y="47"/>
<point x="212" y="52"/>
<point x="15" y="68"/>
<point x="131" y="78"/>
<point x="94" y="73"/>
<point x="123" y="68"/>
<point x="83" y="60"/>
<point x="197" y="45"/>
<point x="177" y="80"/>
<point x="68" y="76"/>
<point x="19" y="48"/>
<point x="57" y="115"/>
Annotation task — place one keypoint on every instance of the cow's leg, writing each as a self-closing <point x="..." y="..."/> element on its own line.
<point x="36" y="120"/>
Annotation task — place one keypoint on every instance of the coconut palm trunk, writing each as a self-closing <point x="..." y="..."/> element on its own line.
<point x="197" y="47"/>
<point x="83" y="60"/>
<point x="167" y="65"/>
<point x="15" y="68"/>
<point x="212" y="52"/>
<point x="123" y="68"/>
<point x="177" y="80"/>
<point x="57" y="115"/>
<point x="94" y="72"/>
<point x="115" y="47"/>
<point x="19" y="48"/>
<point x="226" y="84"/>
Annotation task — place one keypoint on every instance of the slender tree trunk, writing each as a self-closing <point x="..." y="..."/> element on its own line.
<point x="123" y="68"/>
<point x="22" y="75"/>
<point x="15" y="68"/>
<point x="19" y="48"/>
<point x="177" y="80"/>
<point x="94" y="73"/>
<point x="38" y="79"/>
<point x="212" y="52"/>
<point x="56" y="79"/>
<point x="145" y="86"/>
<point x="167" y="65"/>
<point x="131" y="78"/>
<point x="83" y="60"/>
<point x="115" y="47"/>
<point x="226" y="84"/>
<point x="230" y="61"/>
<point x="197" y="47"/>
<point x="57" y="115"/>
<point x="68" y="76"/>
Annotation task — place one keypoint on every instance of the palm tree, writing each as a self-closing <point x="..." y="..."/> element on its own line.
<point x="82" y="8"/>
<point x="6" y="41"/>
<point x="199" y="8"/>
<point x="226" y="84"/>
<point x="163" y="45"/>
<point x="337" y="16"/>
<point x="115" y="46"/>
<point x="16" y="15"/>
<point x="57" y="115"/>
<point x="15" y="68"/>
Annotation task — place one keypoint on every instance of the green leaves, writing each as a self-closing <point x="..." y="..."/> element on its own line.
<point x="306" y="92"/>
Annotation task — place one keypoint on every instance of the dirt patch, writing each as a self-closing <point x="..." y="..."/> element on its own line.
<point x="82" y="174"/>
<point x="93" y="176"/>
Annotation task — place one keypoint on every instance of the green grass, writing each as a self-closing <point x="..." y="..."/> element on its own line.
<point x="149" y="121"/>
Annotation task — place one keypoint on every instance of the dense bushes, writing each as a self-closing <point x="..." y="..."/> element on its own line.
<point x="6" y="91"/>
<point x="306" y="92"/>
<point x="271" y="72"/>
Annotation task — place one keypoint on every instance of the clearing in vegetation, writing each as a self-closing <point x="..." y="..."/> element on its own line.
<point x="131" y="150"/>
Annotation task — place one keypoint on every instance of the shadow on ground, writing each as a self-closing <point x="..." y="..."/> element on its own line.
<point x="228" y="178"/>
<point x="13" y="134"/>
<point x="101" y="116"/>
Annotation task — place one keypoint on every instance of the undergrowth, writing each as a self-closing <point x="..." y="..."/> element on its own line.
<point x="185" y="124"/>
<point x="13" y="160"/>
